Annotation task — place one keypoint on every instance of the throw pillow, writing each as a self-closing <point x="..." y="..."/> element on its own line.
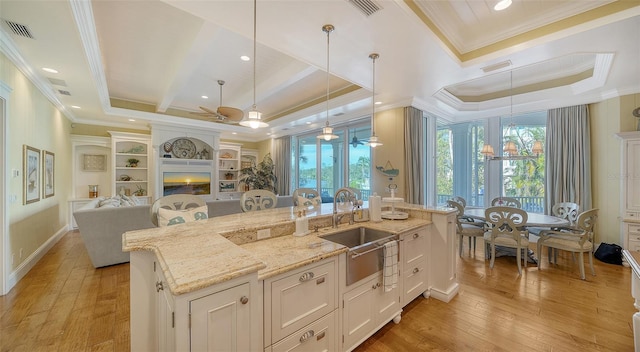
<point x="168" y="217"/>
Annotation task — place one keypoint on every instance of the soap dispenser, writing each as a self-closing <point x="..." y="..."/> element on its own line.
<point x="302" y="224"/>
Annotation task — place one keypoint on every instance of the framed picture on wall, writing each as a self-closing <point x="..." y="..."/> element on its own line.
<point x="30" y="174"/>
<point x="48" y="174"/>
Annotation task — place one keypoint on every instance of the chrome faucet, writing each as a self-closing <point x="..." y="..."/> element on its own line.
<point x="348" y="195"/>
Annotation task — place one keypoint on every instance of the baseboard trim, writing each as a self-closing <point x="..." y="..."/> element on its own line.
<point x="33" y="259"/>
<point x="445" y="296"/>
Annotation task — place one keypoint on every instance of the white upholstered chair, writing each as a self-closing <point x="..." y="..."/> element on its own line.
<point x="506" y="230"/>
<point x="310" y="195"/>
<point x="463" y="228"/>
<point x="258" y="199"/>
<point x="577" y="240"/>
<point x="175" y="202"/>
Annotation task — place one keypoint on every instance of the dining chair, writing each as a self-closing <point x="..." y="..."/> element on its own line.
<point x="258" y="199"/>
<point x="564" y="210"/>
<point x="463" y="228"/>
<point x="506" y="202"/>
<point x="506" y="230"/>
<point x="177" y="205"/>
<point x="577" y="240"/>
<point x="306" y="196"/>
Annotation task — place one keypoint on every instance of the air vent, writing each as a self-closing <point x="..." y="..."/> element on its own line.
<point x="64" y="92"/>
<point x="339" y="114"/>
<point x="19" y="29"/>
<point x="367" y="7"/>
<point x="57" y="82"/>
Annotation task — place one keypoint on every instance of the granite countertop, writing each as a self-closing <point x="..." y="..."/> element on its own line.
<point x="203" y="253"/>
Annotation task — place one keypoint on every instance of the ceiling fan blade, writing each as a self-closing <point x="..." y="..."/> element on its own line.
<point x="208" y="110"/>
<point x="232" y="115"/>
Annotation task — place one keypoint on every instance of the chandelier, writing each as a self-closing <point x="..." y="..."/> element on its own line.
<point x="510" y="150"/>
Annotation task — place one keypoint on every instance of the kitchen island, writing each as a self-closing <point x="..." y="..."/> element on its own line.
<point x="175" y="269"/>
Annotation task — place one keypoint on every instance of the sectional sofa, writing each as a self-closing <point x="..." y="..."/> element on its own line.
<point x="101" y="228"/>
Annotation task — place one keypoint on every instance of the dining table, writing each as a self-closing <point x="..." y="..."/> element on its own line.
<point x="533" y="219"/>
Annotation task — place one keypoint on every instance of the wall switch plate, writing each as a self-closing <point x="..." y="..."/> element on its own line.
<point x="15" y="172"/>
<point x="264" y="233"/>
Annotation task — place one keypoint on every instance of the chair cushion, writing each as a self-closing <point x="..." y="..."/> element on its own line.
<point x="506" y="241"/>
<point x="472" y="230"/>
<point x="167" y="217"/>
<point x="567" y="244"/>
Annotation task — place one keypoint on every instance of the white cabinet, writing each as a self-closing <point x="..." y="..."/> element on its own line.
<point x="219" y="320"/>
<point x="298" y="306"/>
<point x="413" y="256"/>
<point x="630" y="189"/>
<point x="130" y="163"/>
<point x="222" y="317"/>
<point x="366" y="308"/>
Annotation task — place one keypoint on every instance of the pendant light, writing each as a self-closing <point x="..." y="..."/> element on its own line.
<point x="254" y="117"/>
<point x="373" y="140"/>
<point x="327" y="131"/>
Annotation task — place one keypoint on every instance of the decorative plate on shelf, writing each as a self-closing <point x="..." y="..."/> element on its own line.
<point x="183" y="148"/>
<point x="167" y="147"/>
<point x="226" y="156"/>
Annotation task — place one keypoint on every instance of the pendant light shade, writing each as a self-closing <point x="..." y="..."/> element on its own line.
<point x="373" y="140"/>
<point x="327" y="131"/>
<point x="254" y="118"/>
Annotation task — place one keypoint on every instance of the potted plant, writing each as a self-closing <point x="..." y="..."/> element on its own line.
<point x="260" y="176"/>
<point x="140" y="191"/>
<point x="132" y="162"/>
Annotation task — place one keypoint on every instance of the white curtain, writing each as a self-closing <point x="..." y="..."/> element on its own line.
<point x="281" y="155"/>
<point x="568" y="157"/>
<point x="414" y="155"/>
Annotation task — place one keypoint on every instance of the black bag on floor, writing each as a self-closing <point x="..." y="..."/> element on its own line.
<point x="609" y="253"/>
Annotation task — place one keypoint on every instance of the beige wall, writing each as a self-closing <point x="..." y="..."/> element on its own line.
<point x="390" y="130"/>
<point x="608" y="118"/>
<point x="34" y="121"/>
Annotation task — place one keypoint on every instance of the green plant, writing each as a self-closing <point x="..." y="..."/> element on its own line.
<point x="133" y="162"/>
<point x="140" y="191"/>
<point x="260" y="176"/>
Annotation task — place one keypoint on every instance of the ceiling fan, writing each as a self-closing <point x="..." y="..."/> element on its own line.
<point x="355" y="141"/>
<point x="224" y="114"/>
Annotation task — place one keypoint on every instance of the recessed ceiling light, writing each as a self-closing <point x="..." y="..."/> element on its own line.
<point x="308" y="122"/>
<point x="245" y="58"/>
<point x="378" y="102"/>
<point x="205" y="97"/>
<point x="502" y="4"/>
<point x="75" y="106"/>
<point x="50" y="70"/>
<point x="234" y="132"/>
<point x="268" y="133"/>
<point x="132" y="120"/>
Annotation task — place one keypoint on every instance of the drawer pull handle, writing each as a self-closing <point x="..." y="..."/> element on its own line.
<point x="307" y="335"/>
<point x="319" y="281"/>
<point x="306" y="276"/>
<point x="415" y="270"/>
<point x="244" y="299"/>
<point x="415" y="235"/>
<point x="320" y="336"/>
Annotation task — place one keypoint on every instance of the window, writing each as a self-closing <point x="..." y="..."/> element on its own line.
<point x="329" y="165"/>
<point x="459" y="164"/>
<point x="524" y="179"/>
<point x="461" y="170"/>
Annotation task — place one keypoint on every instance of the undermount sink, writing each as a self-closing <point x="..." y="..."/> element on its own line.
<point x="357" y="237"/>
<point x="365" y="256"/>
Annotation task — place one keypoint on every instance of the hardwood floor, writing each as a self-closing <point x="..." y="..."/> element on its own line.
<point x="64" y="304"/>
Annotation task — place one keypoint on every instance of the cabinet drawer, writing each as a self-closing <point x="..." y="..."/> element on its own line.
<point x="631" y="215"/>
<point x="415" y="245"/>
<point x="414" y="281"/>
<point x="634" y="246"/>
<point x="318" y="336"/>
<point x="634" y="230"/>
<point x="301" y="298"/>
